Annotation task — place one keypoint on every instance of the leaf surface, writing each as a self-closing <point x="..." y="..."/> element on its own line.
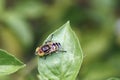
<point x="8" y="63"/>
<point x="62" y="65"/>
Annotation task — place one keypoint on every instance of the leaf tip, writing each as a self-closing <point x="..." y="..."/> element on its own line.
<point x="67" y="24"/>
<point x="24" y="65"/>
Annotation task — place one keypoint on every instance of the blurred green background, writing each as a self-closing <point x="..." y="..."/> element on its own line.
<point x="24" y="24"/>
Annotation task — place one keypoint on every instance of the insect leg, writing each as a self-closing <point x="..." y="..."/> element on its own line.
<point x="45" y="57"/>
<point x="50" y="39"/>
<point x="62" y="51"/>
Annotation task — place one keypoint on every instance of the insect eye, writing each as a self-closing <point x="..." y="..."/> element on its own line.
<point x="37" y="49"/>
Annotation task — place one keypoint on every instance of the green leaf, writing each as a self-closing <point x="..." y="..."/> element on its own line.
<point x="66" y="65"/>
<point x="8" y="63"/>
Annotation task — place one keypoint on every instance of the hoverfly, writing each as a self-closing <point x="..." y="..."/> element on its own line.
<point x="48" y="48"/>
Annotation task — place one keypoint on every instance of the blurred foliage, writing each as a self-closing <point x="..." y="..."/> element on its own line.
<point x="9" y="64"/>
<point x="113" y="78"/>
<point x="24" y="24"/>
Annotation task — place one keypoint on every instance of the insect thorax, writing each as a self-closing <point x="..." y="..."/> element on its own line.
<point x="45" y="48"/>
